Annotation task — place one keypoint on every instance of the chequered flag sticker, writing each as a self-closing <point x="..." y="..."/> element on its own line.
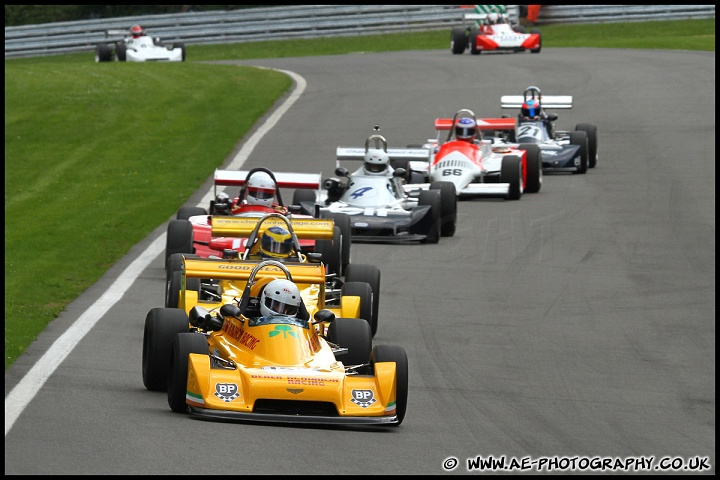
<point x="364" y="398"/>
<point x="227" y="392"/>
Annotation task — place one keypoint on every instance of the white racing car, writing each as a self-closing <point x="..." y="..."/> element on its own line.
<point x="142" y="48"/>
<point x="380" y="209"/>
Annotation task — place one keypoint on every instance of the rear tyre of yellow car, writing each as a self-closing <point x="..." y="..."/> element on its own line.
<point x="179" y="238"/>
<point x="342" y="221"/>
<point x="391" y="353"/>
<point x="183" y="345"/>
<point x="370" y="274"/>
<point x="161" y="326"/>
<point x="364" y="291"/>
<point x="331" y="251"/>
<point x="172" y="291"/>
<point x="353" y="334"/>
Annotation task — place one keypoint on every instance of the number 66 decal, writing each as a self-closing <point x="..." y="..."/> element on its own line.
<point x="451" y="171"/>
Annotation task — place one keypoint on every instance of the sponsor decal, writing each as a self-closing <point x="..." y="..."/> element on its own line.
<point x="295" y="391"/>
<point x="360" y="192"/>
<point x="227" y="392"/>
<point x="240" y="335"/>
<point x="363" y="398"/>
<point x="285" y="330"/>
<point x="320" y="382"/>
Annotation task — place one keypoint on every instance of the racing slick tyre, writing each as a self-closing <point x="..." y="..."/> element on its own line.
<point x="103" y="53"/>
<point x="519" y="29"/>
<point x="172" y="291"/>
<point x="161" y="326"/>
<point x="458" y="40"/>
<point x="365" y="292"/>
<point x="591" y="131"/>
<point x="472" y="39"/>
<point x="432" y="221"/>
<point x="369" y="274"/>
<point x="179" y="238"/>
<point x="175" y="264"/>
<point x="534" y="167"/>
<point x="186" y="212"/>
<point x="121" y="51"/>
<point x="511" y="172"/>
<point x="331" y="251"/>
<point x="182" y="345"/>
<point x="536" y="50"/>
<point x="391" y="353"/>
<point x="579" y="137"/>
<point x="301" y="196"/>
<point x="448" y="207"/>
<point x="353" y="334"/>
<point x="342" y="220"/>
<point x="181" y="46"/>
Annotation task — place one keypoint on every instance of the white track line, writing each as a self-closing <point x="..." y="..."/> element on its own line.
<point x="23" y="393"/>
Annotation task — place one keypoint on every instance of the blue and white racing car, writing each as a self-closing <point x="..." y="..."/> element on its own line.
<point x="380" y="210"/>
<point x="560" y="150"/>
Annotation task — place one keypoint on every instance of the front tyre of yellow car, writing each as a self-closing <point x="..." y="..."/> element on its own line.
<point x="161" y="326"/>
<point x="183" y="345"/>
<point x="391" y="353"/>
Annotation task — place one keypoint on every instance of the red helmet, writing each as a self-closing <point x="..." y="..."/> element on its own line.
<point x="137" y="31"/>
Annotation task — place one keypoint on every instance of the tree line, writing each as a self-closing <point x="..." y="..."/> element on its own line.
<point x="34" y="14"/>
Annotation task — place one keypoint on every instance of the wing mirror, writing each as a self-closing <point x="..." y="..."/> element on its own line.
<point x="342" y="172"/>
<point x="324" y="315"/>
<point x="399" y="172"/>
<point x="552" y="116"/>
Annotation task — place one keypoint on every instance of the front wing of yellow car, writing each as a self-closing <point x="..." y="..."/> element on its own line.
<point x="279" y="394"/>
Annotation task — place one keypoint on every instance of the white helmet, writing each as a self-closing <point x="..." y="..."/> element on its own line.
<point x="376" y="161"/>
<point x="493" y="18"/>
<point x="280" y="297"/>
<point x="260" y="189"/>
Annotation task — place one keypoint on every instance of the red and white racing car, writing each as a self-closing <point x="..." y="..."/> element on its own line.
<point x="477" y="168"/>
<point x="492" y="32"/>
<point x="194" y="231"/>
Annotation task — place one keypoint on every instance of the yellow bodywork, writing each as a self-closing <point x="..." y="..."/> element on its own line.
<point x="232" y="276"/>
<point x="284" y="362"/>
<point x="304" y="228"/>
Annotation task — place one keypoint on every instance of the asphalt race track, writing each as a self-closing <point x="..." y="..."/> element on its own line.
<point x="575" y="324"/>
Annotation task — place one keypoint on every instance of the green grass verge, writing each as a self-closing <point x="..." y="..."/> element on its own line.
<point x="99" y="155"/>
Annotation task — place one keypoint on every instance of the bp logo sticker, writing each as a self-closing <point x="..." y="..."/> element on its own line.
<point x="227" y="392"/>
<point x="364" y="398"/>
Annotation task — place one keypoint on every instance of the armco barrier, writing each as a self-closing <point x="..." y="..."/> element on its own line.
<point x="308" y="21"/>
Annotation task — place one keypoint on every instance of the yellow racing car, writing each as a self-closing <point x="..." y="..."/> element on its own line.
<point x="358" y="280"/>
<point x="228" y="361"/>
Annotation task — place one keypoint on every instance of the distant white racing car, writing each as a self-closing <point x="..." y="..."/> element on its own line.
<point x="142" y="48"/>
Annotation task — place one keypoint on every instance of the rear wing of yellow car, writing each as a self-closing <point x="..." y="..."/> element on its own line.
<point x="304" y="228"/>
<point x="240" y="270"/>
<point x="547" y="101"/>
